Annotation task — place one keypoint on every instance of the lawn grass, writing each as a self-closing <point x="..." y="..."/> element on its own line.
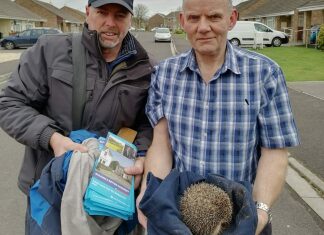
<point x="298" y="63"/>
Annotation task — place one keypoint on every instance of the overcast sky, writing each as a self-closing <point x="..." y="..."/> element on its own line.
<point x="154" y="6"/>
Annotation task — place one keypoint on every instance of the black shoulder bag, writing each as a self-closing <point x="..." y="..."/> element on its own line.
<point x="79" y="82"/>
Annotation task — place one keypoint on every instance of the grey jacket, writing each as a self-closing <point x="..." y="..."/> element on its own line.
<point x="38" y="98"/>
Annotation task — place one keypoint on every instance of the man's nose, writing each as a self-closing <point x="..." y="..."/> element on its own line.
<point x="110" y="20"/>
<point x="204" y="25"/>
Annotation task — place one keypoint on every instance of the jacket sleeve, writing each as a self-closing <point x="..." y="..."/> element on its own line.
<point x="144" y="133"/>
<point x="145" y="130"/>
<point x="24" y="98"/>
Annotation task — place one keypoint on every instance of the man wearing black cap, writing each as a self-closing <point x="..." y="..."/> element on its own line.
<point x="36" y="105"/>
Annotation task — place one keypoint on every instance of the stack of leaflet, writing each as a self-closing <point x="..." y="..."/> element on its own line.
<point x="111" y="191"/>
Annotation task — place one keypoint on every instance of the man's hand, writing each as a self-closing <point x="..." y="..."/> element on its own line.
<point x="141" y="217"/>
<point x="61" y="144"/>
<point x="136" y="170"/>
<point x="262" y="221"/>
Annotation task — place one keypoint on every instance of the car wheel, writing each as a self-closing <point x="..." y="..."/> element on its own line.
<point x="9" y="45"/>
<point x="276" y="42"/>
<point x="235" y="42"/>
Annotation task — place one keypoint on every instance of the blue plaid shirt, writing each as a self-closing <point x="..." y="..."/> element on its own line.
<point x="219" y="127"/>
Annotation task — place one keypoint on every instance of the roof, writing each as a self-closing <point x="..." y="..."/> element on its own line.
<point x="275" y="8"/>
<point x="11" y="10"/>
<point x="58" y="12"/>
<point x="312" y="5"/>
<point x="173" y="14"/>
<point x="74" y="10"/>
<point x="244" y="5"/>
<point x="158" y="14"/>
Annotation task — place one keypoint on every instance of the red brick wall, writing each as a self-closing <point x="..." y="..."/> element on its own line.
<point x="155" y="21"/>
<point x="317" y="17"/>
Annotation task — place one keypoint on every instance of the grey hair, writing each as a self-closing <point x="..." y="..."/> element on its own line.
<point x="230" y="4"/>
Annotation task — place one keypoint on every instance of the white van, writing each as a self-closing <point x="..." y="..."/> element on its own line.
<point x="251" y="32"/>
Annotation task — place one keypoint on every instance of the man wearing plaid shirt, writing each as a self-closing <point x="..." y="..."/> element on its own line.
<point x="220" y="109"/>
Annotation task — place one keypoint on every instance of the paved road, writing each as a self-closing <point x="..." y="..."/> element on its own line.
<point x="309" y="113"/>
<point x="291" y="215"/>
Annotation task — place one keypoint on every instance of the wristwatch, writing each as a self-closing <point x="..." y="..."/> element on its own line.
<point x="266" y="208"/>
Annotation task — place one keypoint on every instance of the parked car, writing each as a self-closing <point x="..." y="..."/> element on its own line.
<point x="162" y="34"/>
<point x="141" y="29"/>
<point x="246" y="33"/>
<point x="26" y="38"/>
<point x="154" y="29"/>
<point x="132" y="28"/>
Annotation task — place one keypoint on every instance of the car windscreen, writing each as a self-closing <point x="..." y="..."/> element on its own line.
<point x="163" y="31"/>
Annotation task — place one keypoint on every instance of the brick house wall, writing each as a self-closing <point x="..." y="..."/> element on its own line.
<point x="156" y="20"/>
<point x="317" y="17"/>
<point x="76" y="14"/>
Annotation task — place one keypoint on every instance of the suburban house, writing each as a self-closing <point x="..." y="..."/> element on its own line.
<point x="81" y="16"/>
<point x="172" y="20"/>
<point x="55" y="17"/>
<point x="295" y="17"/>
<point x="15" y="18"/>
<point x="156" y="20"/>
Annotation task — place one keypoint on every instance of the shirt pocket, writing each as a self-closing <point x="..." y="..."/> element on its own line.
<point x="245" y="123"/>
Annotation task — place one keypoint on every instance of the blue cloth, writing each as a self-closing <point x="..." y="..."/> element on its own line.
<point x="160" y="203"/>
<point x="46" y="193"/>
<point x="220" y="126"/>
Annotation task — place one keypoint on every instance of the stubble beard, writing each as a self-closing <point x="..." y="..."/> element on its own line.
<point x="108" y="45"/>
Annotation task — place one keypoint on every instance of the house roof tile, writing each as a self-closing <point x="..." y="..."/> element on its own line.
<point x="11" y="10"/>
<point x="275" y="8"/>
<point x="313" y="4"/>
<point x="58" y="12"/>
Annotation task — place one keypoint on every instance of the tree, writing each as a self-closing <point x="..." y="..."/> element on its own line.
<point x="320" y="38"/>
<point x="140" y="13"/>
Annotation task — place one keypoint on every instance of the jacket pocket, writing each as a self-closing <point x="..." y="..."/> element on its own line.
<point x="60" y="98"/>
<point x="131" y="101"/>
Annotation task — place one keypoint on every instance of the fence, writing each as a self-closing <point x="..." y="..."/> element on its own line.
<point x="300" y="37"/>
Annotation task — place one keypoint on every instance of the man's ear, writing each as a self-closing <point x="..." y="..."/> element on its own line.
<point x="233" y="19"/>
<point x="182" y="19"/>
<point x="87" y="10"/>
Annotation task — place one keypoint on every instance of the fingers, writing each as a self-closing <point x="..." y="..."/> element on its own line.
<point x="61" y="144"/>
<point x="79" y="147"/>
<point x="137" y="181"/>
<point x="141" y="217"/>
<point x="137" y="169"/>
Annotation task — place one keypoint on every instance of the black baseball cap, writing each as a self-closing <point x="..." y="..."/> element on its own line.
<point x="128" y="4"/>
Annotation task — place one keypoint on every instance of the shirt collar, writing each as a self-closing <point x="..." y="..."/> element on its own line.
<point x="230" y="62"/>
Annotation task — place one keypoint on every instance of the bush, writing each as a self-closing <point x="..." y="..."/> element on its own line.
<point x="320" y="38"/>
<point x="178" y="31"/>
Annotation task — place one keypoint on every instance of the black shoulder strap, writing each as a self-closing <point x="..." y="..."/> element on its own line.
<point x="79" y="80"/>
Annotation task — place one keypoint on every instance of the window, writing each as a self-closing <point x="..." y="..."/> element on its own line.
<point x="36" y="33"/>
<point x="25" y="33"/>
<point x="270" y="21"/>
<point x="262" y="28"/>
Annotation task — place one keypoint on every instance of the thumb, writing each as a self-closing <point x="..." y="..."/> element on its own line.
<point x="79" y="147"/>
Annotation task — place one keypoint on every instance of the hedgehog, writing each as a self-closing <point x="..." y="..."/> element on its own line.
<point x="206" y="209"/>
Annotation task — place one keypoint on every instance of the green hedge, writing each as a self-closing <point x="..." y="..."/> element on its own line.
<point x="320" y="38"/>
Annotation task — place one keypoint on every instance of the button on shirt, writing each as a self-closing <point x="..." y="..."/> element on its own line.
<point x="219" y="127"/>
